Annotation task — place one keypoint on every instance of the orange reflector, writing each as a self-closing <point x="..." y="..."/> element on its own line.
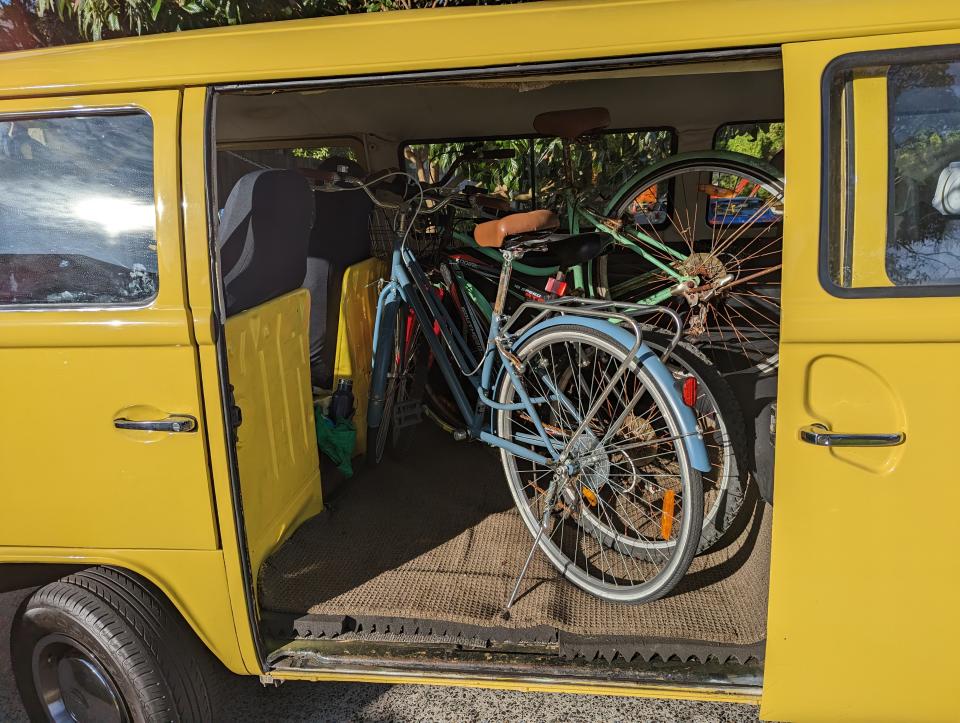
<point x="590" y="496"/>
<point x="666" y="517"/>
<point x="689" y="391"/>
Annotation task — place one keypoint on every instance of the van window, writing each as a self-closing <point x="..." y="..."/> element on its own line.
<point x="235" y="162"/>
<point x="744" y="203"/>
<point x="761" y="140"/>
<point x="895" y="129"/>
<point x="923" y="246"/>
<point x="77" y="215"/>
<point x="533" y="176"/>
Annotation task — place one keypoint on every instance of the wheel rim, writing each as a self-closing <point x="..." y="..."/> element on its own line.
<point x="733" y="244"/>
<point x="620" y="560"/>
<point x="716" y="488"/>
<point x="73" y="685"/>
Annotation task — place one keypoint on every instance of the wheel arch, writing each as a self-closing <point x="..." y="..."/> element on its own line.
<point x="193" y="582"/>
<point x="21" y="575"/>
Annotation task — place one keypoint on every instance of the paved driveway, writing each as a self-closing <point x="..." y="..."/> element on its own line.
<point x="370" y="702"/>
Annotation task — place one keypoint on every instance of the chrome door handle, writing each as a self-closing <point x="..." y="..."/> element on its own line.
<point x="821" y="436"/>
<point x="173" y="423"/>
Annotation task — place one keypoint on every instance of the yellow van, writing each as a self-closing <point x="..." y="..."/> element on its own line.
<point x="161" y="480"/>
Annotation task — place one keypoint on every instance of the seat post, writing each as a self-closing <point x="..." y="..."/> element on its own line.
<point x="504" y="285"/>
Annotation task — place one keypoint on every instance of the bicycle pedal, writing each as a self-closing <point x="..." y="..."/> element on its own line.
<point x="459" y="435"/>
<point x="408" y="413"/>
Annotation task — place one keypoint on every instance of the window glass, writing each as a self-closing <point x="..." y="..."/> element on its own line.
<point x="535" y="175"/>
<point x="760" y="140"/>
<point x="234" y="163"/>
<point x="736" y="201"/>
<point x="77" y="216"/>
<point x="893" y="208"/>
<point x="923" y="246"/>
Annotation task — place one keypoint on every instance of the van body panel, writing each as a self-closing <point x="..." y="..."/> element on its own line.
<point x="198" y="231"/>
<point x="446" y="39"/>
<point x="358" y="309"/>
<point x="195" y="581"/>
<point x="750" y="696"/>
<point x="69" y="372"/>
<point x="269" y="359"/>
<point x="863" y="592"/>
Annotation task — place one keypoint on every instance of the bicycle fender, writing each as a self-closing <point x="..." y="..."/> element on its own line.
<point x="692" y="440"/>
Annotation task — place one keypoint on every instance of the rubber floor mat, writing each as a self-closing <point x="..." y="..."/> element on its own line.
<point x="436" y="536"/>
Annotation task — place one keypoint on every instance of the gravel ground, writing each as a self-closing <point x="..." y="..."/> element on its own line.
<point x="371" y="702"/>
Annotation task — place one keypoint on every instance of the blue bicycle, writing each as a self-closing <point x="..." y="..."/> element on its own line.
<point x="601" y="453"/>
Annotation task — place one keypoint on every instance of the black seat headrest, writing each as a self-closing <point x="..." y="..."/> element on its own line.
<point x="264" y="235"/>
<point x="341" y="233"/>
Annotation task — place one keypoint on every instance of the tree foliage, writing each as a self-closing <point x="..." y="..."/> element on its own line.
<point x="22" y="27"/>
<point x="537" y="170"/>
<point x="97" y="19"/>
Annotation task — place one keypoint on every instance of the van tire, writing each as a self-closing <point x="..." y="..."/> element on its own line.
<point x="149" y="664"/>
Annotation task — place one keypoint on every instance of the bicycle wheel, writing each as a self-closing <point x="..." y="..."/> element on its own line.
<point x="625" y="523"/>
<point x="405" y="381"/>
<point x="721" y="215"/>
<point x="474" y="327"/>
<point x="727" y="485"/>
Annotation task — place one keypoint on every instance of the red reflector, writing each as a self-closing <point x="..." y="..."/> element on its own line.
<point x="689" y="391"/>
<point x="556" y="286"/>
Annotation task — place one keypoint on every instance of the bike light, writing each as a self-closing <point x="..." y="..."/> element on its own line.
<point x="688" y="391"/>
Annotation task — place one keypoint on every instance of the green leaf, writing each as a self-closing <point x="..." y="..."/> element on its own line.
<point x="193" y="8"/>
<point x="155" y="10"/>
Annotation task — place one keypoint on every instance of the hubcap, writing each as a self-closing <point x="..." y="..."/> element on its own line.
<point x="72" y="684"/>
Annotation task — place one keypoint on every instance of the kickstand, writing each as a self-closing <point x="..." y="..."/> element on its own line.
<point x="523" y="572"/>
<point x="551" y="493"/>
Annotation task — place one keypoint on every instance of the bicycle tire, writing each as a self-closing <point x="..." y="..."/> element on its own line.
<point x="727" y="489"/>
<point x="767" y="337"/>
<point x="579" y="571"/>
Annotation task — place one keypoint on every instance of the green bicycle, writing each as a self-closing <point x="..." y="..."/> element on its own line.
<point x="699" y="232"/>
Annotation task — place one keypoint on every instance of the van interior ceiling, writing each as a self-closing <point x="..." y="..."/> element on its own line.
<point x="418" y="555"/>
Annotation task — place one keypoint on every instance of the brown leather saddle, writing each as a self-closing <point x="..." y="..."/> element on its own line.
<point x="536" y="229"/>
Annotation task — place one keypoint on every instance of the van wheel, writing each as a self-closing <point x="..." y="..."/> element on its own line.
<point x="105" y="645"/>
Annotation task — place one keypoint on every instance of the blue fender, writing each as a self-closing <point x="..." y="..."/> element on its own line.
<point x="692" y="440"/>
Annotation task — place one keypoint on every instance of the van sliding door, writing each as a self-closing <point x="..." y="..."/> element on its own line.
<point x="863" y="619"/>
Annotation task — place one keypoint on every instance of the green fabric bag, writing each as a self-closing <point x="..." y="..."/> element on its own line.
<point x="337" y="441"/>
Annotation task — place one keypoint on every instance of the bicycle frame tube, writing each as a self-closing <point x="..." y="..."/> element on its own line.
<point x="409" y="283"/>
<point x="599" y="225"/>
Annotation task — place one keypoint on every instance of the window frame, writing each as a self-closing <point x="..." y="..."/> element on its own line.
<point x="831" y="113"/>
<point x="113" y="110"/>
